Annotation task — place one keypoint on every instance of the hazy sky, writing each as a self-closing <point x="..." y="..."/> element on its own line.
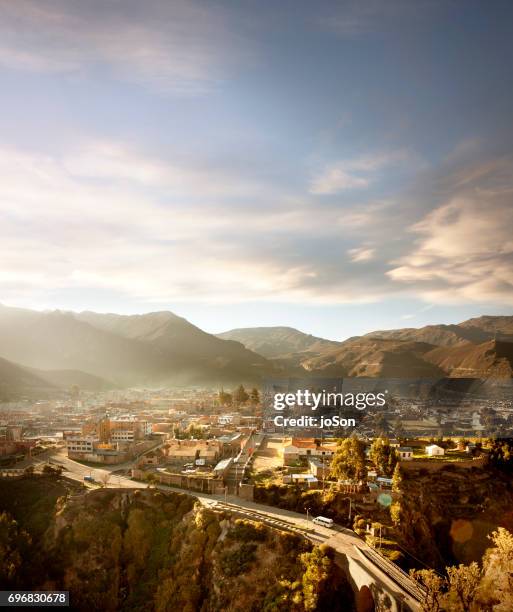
<point x="334" y="166"/>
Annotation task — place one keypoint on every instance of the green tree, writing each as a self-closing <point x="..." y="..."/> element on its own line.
<point x="497" y="583"/>
<point x="383" y="456"/>
<point x="397" y="478"/>
<point x="240" y="395"/>
<point x="349" y="460"/>
<point x="433" y="585"/>
<point x="463" y="585"/>
<point x="317" y="566"/>
<point x="225" y="399"/>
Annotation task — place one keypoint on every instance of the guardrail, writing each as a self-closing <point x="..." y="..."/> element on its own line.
<point x="394" y="572"/>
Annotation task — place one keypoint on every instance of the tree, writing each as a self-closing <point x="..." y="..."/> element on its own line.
<point x="397" y="478"/>
<point x="14" y="545"/>
<point x="254" y="396"/>
<point x="463" y="584"/>
<point x="240" y="396"/>
<point x="349" y="460"/>
<point x="105" y="478"/>
<point x="52" y="470"/>
<point x="317" y="566"/>
<point x="225" y="399"/>
<point x="383" y="456"/>
<point x="381" y="424"/>
<point x="497" y="583"/>
<point x="433" y="585"/>
<point x="395" y="513"/>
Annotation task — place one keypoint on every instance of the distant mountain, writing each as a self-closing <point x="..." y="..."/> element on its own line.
<point x="491" y="359"/>
<point x="94" y="350"/>
<point x="153" y="349"/>
<point x="478" y="348"/>
<point x="280" y="342"/>
<point x="476" y="330"/>
<point x="65" y="379"/>
<point x="17" y="380"/>
<point x="376" y="357"/>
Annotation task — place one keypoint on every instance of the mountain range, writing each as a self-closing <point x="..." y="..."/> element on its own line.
<point x="55" y="349"/>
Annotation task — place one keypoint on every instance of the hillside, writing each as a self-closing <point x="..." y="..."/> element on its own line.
<point x="282" y="342"/>
<point x="477" y="331"/>
<point x="374" y="357"/>
<point x="16" y="380"/>
<point x="154" y="349"/>
<point x="121" y="550"/>
<point x="491" y="359"/>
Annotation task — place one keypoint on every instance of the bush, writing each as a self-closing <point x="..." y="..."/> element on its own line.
<point x="235" y="562"/>
<point x="244" y="531"/>
<point x="396" y="556"/>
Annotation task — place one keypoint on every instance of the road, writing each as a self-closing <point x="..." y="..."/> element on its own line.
<point x="344" y="541"/>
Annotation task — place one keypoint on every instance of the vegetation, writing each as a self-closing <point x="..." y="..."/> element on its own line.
<point x="349" y="460"/>
<point x="472" y="588"/>
<point x="383" y="456"/>
<point x="155" y="551"/>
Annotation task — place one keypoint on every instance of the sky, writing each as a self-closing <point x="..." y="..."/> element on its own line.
<point x="335" y="166"/>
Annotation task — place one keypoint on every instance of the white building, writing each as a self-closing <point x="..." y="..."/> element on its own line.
<point x="433" y="450"/>
<point x="405" y="453"/>
<point x="81" y="444"/>
<point x="122" y="435"/>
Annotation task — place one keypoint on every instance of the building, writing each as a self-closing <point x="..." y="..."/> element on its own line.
<point x="81" y="444"/>
<point x="190" y="450"/>
<point x="405" y="453"/>
<point x="152" y="458"/>
<point x="433" y="450"/>
<point x="301" y="479"/>
<point x="319" y="467"/>
<point x="306" y="447"/>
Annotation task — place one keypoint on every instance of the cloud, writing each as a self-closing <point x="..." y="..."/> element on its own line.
<point x="359" y="17"/>
<point x="361" y="254"/>
<point x="106" y="217"/>
<point x="357" y="173"/>
<point x="464" y="247"/>
<point x="178" y="47"/>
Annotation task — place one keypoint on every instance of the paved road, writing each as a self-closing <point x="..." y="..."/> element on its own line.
<point x="344" y="541"/>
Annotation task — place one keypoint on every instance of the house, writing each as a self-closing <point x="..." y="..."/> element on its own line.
<point x="300" y="479"/>
<point x="384" y="483"/>
<point x="318" y="467"/>
<point x="152" y="458"/>
<point x="405" y="453"/>
<point x="433" y="450"/>
<point x="190" y="450"/>
<point x="295" y="448"/>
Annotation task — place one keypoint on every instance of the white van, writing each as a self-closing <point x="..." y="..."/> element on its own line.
<point x="322" y="520"/>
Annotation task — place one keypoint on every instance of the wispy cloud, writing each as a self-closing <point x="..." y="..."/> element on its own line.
<point x="361" y="254"/>
<point x="464" y="246"/>
<point x="180" y="47"/>
<point x="357" y="173"/>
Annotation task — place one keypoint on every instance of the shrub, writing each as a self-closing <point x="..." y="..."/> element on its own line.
<point x="244" y="531"/>
<point x="235" y="562"/>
